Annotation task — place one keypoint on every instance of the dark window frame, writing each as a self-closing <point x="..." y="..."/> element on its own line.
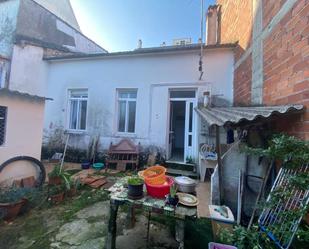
<point x="3" y="121"/>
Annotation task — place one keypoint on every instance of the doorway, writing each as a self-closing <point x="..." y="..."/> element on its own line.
<point x="181" y="125"/>
<point x="177" y="130"/>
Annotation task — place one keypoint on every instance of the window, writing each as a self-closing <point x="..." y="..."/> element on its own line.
<point x="2" y="75"/>
<point x="3" y="111"/>
<point x="78" y="100"/>
<point x="182" y="94"/>
<point x="126" y="110"/>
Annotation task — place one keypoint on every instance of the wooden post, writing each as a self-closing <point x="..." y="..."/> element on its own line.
<point x="218" y="150"/>
<point x="112" y="226"/>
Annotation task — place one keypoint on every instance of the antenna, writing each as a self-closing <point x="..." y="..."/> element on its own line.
<point x="201" y="38"/>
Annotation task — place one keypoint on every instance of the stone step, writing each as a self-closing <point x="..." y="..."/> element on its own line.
<point x="177" y="172"/>
<point x="180" y="166"/>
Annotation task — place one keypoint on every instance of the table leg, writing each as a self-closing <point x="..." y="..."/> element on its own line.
<point x="148" y="228"/>
<point x="131" y="217"/>
<point x="180" y="233"/>
<point x="112" y="226"/>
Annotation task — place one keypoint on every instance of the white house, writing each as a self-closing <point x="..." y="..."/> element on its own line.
<point x="147" y="95"/>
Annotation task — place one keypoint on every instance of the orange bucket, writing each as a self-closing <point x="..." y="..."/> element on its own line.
<point x="155" y="175"/>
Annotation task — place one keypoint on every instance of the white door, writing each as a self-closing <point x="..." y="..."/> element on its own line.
<point x="171" y="132"/>
<point x="189" y="131"/>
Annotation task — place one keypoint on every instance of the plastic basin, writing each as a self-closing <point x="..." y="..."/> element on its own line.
<point x="98" y="165"/>
<point x="159" y="191"/>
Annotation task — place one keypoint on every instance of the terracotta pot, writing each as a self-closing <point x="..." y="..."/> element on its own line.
<point x="57" y="198"/>
<point x="54" y="180"/>
<point x="72" y="192"/>
<point x="11" y="210"/>
<point x="306" y="218"/>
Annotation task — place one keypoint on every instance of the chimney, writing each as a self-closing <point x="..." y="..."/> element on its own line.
<point x="212" y="24"/>
<point x="139" y="44"/>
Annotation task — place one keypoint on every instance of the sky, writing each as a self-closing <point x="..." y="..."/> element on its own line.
<point x="117" y="25"/>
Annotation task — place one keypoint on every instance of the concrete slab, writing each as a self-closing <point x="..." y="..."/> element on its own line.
<point x="203" y="195"/>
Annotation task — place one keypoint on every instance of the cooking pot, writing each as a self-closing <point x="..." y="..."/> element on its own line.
<point x="185" y="184"/>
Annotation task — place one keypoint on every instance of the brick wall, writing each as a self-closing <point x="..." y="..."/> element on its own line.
<point x="285" y="55"/>
<point x="236" y="26"/>
<point x="286" y="65"/>
<point x="236" y="23"/>
<point x="242" y="82"/>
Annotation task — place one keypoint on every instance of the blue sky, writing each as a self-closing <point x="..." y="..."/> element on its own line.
<point x="117" y="25"/>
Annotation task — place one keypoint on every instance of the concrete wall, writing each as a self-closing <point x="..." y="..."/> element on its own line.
<point x="38" y="25"/>
<point x="23" y="133"/>
<point x="28" y="70"/>
<point x="271" y="61"/>
<point x="152" y="75"/>
<point x="8" y="20"/>
<point x="62" y="9"/>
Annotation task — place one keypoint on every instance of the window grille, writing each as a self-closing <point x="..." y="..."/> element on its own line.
<point x="3" y="111"/>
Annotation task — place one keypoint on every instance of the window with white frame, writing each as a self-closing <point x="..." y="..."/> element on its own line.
<point x="78" y="101"/>
<point x="3" y="112"/>
<point x="126" y="110"/>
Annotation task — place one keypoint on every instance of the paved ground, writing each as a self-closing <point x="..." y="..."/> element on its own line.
<point x="68" y="227"/>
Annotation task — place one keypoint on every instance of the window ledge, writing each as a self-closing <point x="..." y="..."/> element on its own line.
<point x="77" y="132"/>
<point x="125" y="134"/>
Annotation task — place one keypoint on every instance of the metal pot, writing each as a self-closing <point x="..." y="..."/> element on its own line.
<point x="185" y="184"/>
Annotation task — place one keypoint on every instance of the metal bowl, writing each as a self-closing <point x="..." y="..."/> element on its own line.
<point x="185" y="184"/>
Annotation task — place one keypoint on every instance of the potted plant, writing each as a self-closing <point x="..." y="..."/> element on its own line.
<point x="11" y="202"/>
<point x="75" y="186"/>
<point x="57" y="177"/>
<point x="54" y="177"/>
<point x="135" y="187"/>
<point x="56" y="193"/>
<point x="172" y="198"/>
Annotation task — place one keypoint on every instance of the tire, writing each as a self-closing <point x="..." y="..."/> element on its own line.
<point x="42" y="175"/>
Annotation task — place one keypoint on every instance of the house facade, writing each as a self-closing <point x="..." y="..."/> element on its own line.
<point x="147" y="95"/>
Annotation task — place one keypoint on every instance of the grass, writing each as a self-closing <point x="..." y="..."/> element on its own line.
<point x="198" y="232"/>
<point x="86" y="198"/>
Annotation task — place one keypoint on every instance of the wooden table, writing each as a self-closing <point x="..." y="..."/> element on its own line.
<point x="119" y="196"/>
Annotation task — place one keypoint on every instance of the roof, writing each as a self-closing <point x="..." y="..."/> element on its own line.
<point x="235" y="116"/>
<point x="143" y="51"/>
<point x="5" y="91"/>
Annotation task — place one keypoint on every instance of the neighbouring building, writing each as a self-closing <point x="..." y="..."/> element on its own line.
<point x="30" y="29"/>
<point x="270" y="80"/>
<point x="272" y="57"/>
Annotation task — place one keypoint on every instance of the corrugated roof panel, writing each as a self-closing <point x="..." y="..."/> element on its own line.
<point x="222" y="116"/>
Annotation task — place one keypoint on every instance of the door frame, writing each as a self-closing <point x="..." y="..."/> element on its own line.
<point x="194" y="123"/>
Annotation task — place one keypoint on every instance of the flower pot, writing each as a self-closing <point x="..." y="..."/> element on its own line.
<point x="72" y="192"/>
<point x="11" y="210"/>
<point x="86" y="165"/>
<point x="172" y="200"/>
<point x="135" y="191"/>
<point x="54" y="180"/>
<point x="57" y="198"/>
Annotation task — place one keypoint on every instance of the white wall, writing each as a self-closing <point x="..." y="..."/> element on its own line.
<point x="23" y="134"/>
<point x="152" y="75"/>
<point x="28" y="70"/>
